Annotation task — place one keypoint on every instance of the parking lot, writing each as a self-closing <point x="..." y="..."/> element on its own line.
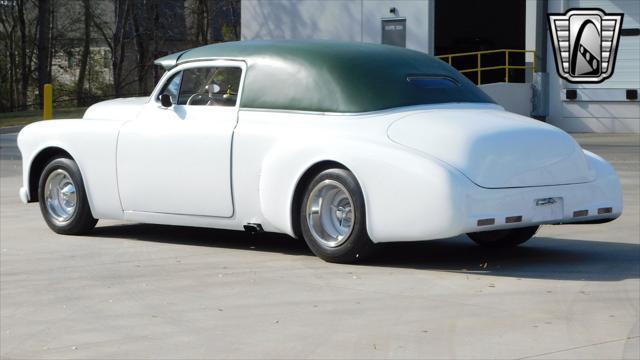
<point x="148" y="291"/>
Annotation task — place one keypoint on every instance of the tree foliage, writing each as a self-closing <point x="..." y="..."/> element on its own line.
<point x="96" y="49"/>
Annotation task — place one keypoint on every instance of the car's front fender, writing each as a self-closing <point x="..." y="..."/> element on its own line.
<point x="91" y="144"/>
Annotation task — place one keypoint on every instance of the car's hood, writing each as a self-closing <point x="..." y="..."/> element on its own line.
<point x="116" y="109"/>
<point x="495" y="148"/>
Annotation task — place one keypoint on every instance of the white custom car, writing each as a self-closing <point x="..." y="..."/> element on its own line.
<point x="344" y="145"/>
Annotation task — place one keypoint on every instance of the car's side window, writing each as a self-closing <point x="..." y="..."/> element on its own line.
<point x="211" y="86"/>
<point x="172" y="87"/>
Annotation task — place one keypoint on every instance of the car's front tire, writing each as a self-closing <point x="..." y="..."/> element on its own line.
<point x="503" y="238"/>
<point x="63" y="199"/>
<point x="333" y="219"/>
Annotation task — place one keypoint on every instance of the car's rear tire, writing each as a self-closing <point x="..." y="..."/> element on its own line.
<point x="503" y="238"/>
<point x="333" y="218"/>
<point x="63" y="199"/>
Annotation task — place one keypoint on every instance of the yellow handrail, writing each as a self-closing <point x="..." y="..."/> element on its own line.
<point x="478" y="69"/>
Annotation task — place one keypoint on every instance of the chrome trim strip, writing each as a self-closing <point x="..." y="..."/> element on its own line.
<point x="379" y="112"/>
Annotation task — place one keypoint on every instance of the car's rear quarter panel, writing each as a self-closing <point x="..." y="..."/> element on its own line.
<point x="276" y="149"/>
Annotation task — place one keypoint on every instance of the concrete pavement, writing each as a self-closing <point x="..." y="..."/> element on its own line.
<point x="147" y="291"/>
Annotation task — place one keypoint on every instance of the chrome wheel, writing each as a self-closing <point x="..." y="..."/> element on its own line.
<point x="60" y="196"/>
<point x="330" y="213"/>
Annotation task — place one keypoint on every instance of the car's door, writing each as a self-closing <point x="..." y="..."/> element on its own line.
<point x="177" y="159"/>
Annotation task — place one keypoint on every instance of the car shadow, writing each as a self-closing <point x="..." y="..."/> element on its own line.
<point x="196" y="236"/>
<point x="540" y="258"/>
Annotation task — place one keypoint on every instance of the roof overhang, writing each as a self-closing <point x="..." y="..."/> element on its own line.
<point x="169" y="61"/>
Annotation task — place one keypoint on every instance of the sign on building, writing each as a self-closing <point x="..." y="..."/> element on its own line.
<point x="394" y="32"/>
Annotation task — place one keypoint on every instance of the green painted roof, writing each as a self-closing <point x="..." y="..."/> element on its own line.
<point x="330" y="76"/>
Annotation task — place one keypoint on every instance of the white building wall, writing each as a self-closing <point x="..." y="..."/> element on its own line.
<point x="307" y="19"/>
<point x="600" y="107"/>
<point x="346" y="20"/>
<point x="514" y="97"/>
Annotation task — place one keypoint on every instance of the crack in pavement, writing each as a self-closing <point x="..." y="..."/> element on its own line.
<point x="580" y="347"/>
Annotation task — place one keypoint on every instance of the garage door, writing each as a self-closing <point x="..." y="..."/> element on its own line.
<point x="627" y="70"/>
<point x="605" y="107"/>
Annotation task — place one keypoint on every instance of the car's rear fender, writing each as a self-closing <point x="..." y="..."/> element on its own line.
<point x="407" y="196"/>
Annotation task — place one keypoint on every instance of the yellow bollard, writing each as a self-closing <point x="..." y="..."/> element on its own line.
<point x="47" y="107"/>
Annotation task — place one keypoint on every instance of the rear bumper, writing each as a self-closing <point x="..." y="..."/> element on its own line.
<point x="588" y="203"/>
<point x="595" y="202"/>
<point x="449" y="204"/>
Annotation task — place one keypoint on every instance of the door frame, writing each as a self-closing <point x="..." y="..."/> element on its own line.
<point x="155" y="102"/>
<point x="197" y="64"/>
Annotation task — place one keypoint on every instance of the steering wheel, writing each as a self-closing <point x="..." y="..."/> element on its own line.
<point x="199" y="96"/>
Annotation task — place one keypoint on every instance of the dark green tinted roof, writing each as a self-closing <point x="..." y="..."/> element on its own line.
<point x="329" y="76"/>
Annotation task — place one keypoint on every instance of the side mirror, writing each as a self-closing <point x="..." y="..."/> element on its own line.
<point x="165" y="100"/>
